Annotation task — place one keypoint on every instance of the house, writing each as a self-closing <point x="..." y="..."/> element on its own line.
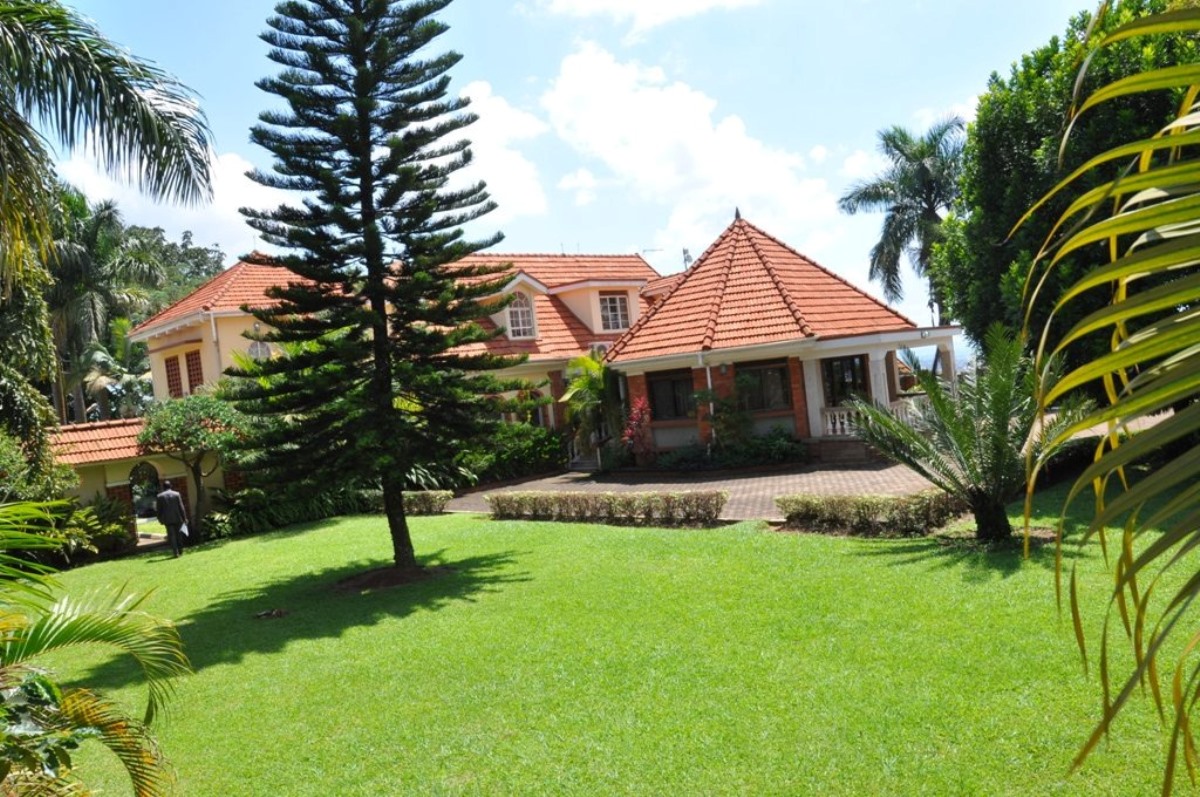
<point x="564" y="306"/>
<point x="802" y="340"/>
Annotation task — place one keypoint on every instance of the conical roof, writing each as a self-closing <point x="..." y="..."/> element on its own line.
<point x="750" y="288"/>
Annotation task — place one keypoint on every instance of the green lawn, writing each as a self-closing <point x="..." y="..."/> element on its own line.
<point x="574" y="659"/>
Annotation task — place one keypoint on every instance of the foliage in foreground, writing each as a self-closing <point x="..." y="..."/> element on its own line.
<point x="383" y="372"/>
<point x="697" y="508"/>
<point x="42" y="723"/>
<point x="971" y="439"/>
<point x="1146" y="220"/>
<point x="871" y="515"/>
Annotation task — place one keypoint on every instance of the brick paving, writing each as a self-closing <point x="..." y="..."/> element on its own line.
<point x="751" y="495"/>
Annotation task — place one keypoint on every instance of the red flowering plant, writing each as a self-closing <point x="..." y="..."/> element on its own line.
<point x="636" y="435"/>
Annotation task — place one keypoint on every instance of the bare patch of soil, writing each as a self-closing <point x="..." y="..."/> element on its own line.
<point x="388" y="577"/>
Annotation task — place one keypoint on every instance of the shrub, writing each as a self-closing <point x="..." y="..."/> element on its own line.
<point x="515" y="451"/>
<point x="701" y="508"/>
<point x="114" y="531"/>
<point x="252" y="511"/>
<point x="871" y="515"/>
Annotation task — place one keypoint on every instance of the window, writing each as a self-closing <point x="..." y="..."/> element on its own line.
<point x="520" y="316"/>
<point x="195" y="371"/>
<point x="174" y="378"/>
<point x="844" y="377"/>
<point x="672" y="395"/>
<point x="614" y="311"/>
<point x="763" y="386"/>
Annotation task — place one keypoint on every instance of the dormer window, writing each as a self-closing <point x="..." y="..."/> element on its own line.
<point x="520" y="316"/>
<point x="614" y="311"/>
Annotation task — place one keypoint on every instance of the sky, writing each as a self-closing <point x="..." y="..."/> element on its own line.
<point x="627" y="126"/>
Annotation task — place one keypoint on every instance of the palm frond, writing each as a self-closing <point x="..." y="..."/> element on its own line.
<point x="152" y="643"/>
<point x="1147" y="217"/>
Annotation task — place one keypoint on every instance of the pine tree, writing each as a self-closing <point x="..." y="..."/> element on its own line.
<point x="375" y="379"/>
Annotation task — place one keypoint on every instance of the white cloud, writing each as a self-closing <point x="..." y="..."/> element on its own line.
<point x="965" y="110"/>
<point x="818" y="154"/>
<point x="218" y="222"/>
<point x="861" y="164"/>
<point x="511" y="177"/>
<point x="644" y="14"/>
<point x="663" y="142"/>
<point x="583" y="183"/>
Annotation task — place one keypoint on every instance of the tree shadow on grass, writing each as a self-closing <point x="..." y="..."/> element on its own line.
<point x="979" y="562"/>
<point x="266" y="617"/>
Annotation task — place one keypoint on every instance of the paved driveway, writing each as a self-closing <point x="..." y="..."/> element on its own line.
<point x="751" y="495"/>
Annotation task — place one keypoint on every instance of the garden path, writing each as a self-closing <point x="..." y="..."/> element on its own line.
<point x="751" y="494"/>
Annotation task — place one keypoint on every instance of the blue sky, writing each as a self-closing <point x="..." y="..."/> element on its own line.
<point x="618" y="126"/>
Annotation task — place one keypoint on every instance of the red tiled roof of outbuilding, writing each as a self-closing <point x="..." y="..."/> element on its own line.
<point x="750" y="288"/>
<point x="102" y="441"/>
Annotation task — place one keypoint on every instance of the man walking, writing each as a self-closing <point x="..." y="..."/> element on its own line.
<point x="172" y="514"/>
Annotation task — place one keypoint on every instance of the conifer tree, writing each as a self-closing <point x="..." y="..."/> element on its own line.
<point x="377" y="323"/>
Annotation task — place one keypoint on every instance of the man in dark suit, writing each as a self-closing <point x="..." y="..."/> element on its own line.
<point x="172" y="514"/>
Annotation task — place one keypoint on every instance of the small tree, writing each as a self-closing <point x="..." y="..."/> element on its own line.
<point x="193" y="430"/>
<point x="971" y="439"/>
<point x="593" y="401"/>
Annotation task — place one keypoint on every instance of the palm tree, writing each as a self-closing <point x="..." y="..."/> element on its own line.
<point x="117" y="376"/>
<point x="44" y="722"/>
<point x="64" y="76"/>
<point x="1145" y="213"/>
<point x="972" y="439"/>
<point x="95" y="271"/>
<point x="593" y="402"/>
<point x="917" y="187"/>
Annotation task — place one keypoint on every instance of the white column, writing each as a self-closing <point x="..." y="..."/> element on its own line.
<point x="877" y="366"/>
<point x="814" y="392"/>
<point x="949" y="371"/>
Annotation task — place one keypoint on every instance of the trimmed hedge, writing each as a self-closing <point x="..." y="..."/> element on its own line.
<point x="660" y="509"/>
<point x="871" y="515"/>
<point x="251" y="511"/>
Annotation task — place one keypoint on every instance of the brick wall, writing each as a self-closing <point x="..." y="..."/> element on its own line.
<point x="636" y="388"/>
<point x="124" y="494"/>
<point x="799" y="396"/>
<point x="234" y="480"/>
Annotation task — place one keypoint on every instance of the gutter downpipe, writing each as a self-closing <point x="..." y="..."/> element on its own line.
<point x="212" y="321"/>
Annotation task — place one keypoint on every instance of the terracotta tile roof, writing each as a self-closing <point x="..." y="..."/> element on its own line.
<point x="662" y="285"/>
<point x="561" y="335"/>
<point x="750" y="288"/>
<point x="240" y="284"/>
<point x="103" y="441"/>
<point x="556" y="271"/>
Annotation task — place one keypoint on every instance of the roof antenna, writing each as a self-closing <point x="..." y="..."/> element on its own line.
<point x="737" y="214"/>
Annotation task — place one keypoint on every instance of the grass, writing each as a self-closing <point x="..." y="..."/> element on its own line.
<point x="576" y="659"/>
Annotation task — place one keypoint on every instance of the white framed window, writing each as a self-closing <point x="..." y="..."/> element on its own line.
<point x="614" y="311"/>
<point x="520" y="316"/>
